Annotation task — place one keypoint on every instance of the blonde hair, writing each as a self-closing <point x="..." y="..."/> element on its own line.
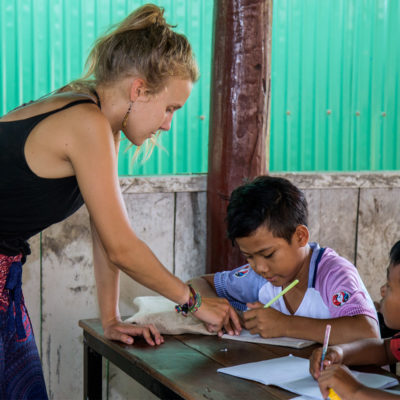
<point x="144" y="45"/>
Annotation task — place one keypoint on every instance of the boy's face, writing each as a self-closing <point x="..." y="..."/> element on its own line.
<point x="273" y="257"/>
<point x="391" y="302"/>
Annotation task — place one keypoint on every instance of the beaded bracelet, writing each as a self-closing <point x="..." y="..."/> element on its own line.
<point x="192" y="305"/>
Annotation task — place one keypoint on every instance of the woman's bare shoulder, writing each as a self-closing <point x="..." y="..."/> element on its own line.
<point x="65" y="136"/>
<point x="86" y="123"/>
<point x="44" y="105"/>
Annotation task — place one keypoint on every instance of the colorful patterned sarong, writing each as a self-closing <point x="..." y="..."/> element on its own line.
<point x="21" y="375"/>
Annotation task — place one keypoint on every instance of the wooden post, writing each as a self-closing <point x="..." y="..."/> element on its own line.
<point x="239" y="114"/>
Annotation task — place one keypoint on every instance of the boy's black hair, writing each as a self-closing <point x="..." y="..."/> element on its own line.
<point x="270" y="201"/>
<point x="395" y="254"/>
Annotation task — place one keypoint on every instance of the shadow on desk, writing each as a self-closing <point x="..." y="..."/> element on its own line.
<point x="184" y="367"/>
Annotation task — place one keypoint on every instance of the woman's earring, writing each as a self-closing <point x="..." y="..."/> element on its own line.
<point x="125" y="120"/>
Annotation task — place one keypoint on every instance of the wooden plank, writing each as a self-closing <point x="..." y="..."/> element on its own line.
<point x="379" y="221"/>
<point x="152" y="217"/>
<point x="190" y="234"/>
<point x="68" y="295"/>
<point x="313" y="197"/>
<point x="187" y="364"/>
<point x="231" y="352"/>
<point x="333" y="219"/>
<point x="163" y="184"/>
<point x="134" y="369"/>
<point x="69" y="289"/>
<point x="329" y="180"/>
<point x="181" y="368"/>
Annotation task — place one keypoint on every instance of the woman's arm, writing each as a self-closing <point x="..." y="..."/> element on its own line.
<point x="107" y="283"/>
<point x="91" y="151"/>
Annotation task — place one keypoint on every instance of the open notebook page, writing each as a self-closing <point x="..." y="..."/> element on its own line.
<point x="292" y="373"/>
<point x="246" y="336"/>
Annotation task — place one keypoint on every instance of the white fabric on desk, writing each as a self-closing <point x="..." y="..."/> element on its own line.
<point x="160" y="312"/>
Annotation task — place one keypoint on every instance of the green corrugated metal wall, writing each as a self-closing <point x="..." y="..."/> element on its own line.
<point x="335" y="85"/>
<point x="335" y="77"/>
<point x="44" y="44"/>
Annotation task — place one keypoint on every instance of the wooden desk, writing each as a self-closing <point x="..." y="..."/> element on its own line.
<point x="184" y="367"/>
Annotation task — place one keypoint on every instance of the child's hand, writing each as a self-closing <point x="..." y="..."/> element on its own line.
<point x="255" y="305"/>
<point x="340" y="379"/>
<point x="334" y="355"/>
<point x="124" y="332"/>
<point x="267" y="322"/>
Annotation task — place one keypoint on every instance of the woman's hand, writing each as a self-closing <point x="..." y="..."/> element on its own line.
<point x="217" y="313"/>
<point x="124" y="332"/>
<point x="267" y="322"/>
<point x="334" y="355"/>
<point x="340" y="379"/>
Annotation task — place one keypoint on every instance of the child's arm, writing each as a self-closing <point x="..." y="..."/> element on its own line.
<point x="340" y="379"/>
<point x="361" y="352"/>
<point x="269" y="322"/>
<point x="368" y="351"/>
<point x="205" y="285"/>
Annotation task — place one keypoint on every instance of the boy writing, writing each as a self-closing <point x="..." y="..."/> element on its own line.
<point x="267" y="219"/>
<point x="362" y="352"/>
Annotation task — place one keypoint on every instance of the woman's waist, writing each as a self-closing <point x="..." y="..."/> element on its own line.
<point x="13" y="246"/>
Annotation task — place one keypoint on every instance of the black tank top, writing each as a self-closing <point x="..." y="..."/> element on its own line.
<point x="28" y="203"/>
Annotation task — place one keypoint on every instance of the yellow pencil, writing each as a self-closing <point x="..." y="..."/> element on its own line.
<point x="333" y="395"/>
<point x="294" y="283"/>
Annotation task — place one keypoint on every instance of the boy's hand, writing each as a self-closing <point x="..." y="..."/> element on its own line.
<point x="334" y="355"/>
<point x="267" y="322"/>
<point x="217" y="313"/>
<point x="124" y="332"/>
<point x="340" y="379"/>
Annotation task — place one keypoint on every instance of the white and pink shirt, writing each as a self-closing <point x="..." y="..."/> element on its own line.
<point x="335" y="288"/>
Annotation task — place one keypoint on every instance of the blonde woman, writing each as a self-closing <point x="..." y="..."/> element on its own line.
<point x="60" y="152"/>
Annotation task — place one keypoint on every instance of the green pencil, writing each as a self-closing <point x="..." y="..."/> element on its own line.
<point x="294" y="283"/>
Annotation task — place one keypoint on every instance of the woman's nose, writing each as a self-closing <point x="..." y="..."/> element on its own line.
<point x="166" y="125"/>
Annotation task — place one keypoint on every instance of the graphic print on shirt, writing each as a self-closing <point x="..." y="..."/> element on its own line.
<point x="340" y="298"/>
<point x="242" y="272"/>
<point x="395" y="346"/>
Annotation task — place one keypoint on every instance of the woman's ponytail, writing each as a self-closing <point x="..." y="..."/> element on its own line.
<point x="142" y="44"/>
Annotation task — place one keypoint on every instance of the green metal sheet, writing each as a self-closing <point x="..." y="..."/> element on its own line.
<point x="335" y="85"/>
<point x="44" y="44"/>
<point x="334" y="81"/>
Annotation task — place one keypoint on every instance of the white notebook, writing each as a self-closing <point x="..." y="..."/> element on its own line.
<point x="292" y="373"/>
<point x="246" y="336"/>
